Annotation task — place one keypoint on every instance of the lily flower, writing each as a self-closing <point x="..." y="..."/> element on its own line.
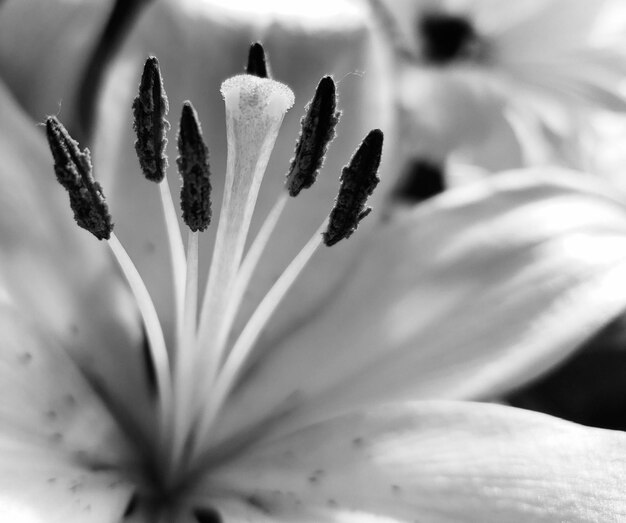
<point x="479" y="77"/>
<point x="302" y="410"/>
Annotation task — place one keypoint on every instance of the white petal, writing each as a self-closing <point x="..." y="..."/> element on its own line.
<point x="476" y="292"/>
<point x="549" y="28"/>
<point x="43" y="48"/>
<point x="60" y="449"/>
<point x="439" y="462"/>
<point x="57" y="272"/>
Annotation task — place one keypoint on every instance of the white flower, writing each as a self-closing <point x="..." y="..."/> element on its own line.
<point x="505" y="85"/>
<point x="308" y="412"/>
<point x="475" y="292"/>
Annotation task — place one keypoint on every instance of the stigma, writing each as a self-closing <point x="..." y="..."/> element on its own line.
<point x="196" y="373"/>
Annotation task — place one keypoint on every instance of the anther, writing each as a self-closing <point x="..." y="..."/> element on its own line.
<point x="258" y="64"/>
<point x="193" y="166"/>
<point x="318" y="130"/>
<point x="149" y="110"/>
<point x="422" y="179"/>
<point x="74" y="172"/>
<point x="358" y="180"/>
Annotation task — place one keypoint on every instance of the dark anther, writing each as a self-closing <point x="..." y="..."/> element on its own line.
<point x="193" y="166"/>
<point x="207" y="515"/>
<point x="258" y="64"/>
<point x="446" y="37"/>
<point x="421" y="180"/>
<point x="358" y="180"/>
<point x="74" y="172"/>
<point x="149" y="110"/>
<point x="318" y="130"/>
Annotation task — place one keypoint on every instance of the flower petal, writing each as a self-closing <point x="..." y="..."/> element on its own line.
<point x="43" y="47"/>
<point x="200" y="44"/>
<point x="60" y="449"/>
<point x="436" y="462"/>
<point x="474" y="293"/>
<point x="58" y="273"/>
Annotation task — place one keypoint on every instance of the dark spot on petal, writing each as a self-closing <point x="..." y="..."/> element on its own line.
<point x="316" y="476"/>
<point x="259" y="504"/>
<point x="76" y="486"/>
<point x="358" y="443"/>
<point x="25" y="358"/>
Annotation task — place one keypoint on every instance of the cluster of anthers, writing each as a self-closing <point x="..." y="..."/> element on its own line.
<point x="195" y="377"/>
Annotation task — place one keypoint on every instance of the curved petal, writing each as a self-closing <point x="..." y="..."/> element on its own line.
<point x="42" y="50"/>
<point x="474" y="293"/>
<point x="437" y="462"/>
<point x="60" y="450"/>
<point x="200" y="44"/>
<point x="58" y="273"/>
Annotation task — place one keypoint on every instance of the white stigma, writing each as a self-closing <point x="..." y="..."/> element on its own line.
<point x="255" y="108"/>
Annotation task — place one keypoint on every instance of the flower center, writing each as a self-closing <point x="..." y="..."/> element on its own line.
<point x="196" y="375"/>
<point x="447" y="38"/>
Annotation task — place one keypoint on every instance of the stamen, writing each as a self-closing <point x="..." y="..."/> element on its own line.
<point x="258" y="64"/>
<point x="193" y="166"/>
<point x="184" y="357"/>
<point x="422" y="179"/>
<point x="74" y="172"/>
<point x="245" y="272"/>
<point x="240" y="354"/>
<point x="176" y="248"/>
<point x="358" y="180"/>
<point x="154" y="332"/>
<point x="149" y="110"/>
<point x="255" y="108"/>
<point x="318" y="130"/>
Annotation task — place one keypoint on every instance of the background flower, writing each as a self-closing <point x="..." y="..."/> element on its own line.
<point x="503" y="85"/>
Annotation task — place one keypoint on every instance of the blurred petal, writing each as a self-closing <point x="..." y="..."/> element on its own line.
<point x="58" y="273"/>
<point x="474" y="293"/>
<point x="43" y="48"/>
<point x="59" y="446"/>
<point x="437" y="462"/>
<point x="544" y="57"/>
<point x="199" y="44"/>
